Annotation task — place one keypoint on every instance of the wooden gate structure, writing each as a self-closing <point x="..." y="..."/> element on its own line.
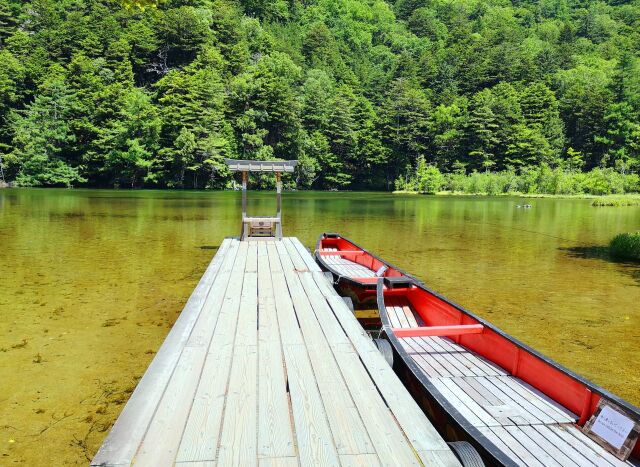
<point x="261" y="227"/>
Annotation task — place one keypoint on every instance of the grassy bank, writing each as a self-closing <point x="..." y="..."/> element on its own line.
<point x="617" y="201"/>
<point x="531" y="181"/>
<point x="632" y="199"/>
<point x="511" y="193"/>
<point x="626" y="246"/>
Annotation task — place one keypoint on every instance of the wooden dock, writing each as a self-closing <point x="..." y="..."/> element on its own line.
<point x="267" y="366"/>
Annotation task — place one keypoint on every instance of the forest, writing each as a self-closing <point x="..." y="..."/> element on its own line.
<point x="366" y="94"/>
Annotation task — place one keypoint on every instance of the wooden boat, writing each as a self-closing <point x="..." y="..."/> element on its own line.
<point x="478" y="384"/>
<point x="355" y="271"/>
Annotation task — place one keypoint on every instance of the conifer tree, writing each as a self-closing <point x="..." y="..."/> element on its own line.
<point x="42" y="135"/>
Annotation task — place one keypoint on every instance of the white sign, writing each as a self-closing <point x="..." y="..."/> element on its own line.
<point x="612" y="426"/>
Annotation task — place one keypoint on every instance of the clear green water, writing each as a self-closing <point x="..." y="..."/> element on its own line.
<point x="91" y="281"/>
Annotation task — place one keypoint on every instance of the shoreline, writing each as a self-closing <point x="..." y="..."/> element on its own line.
<point x="522" y="195"/>
<point x="445" y="193"/>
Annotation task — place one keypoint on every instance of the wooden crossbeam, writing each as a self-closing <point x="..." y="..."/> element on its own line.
<point x="452" y="330"/>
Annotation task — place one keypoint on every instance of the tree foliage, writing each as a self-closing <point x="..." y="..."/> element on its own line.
<point x="144" y="93"/>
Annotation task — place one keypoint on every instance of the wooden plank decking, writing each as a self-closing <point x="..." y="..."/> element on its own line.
<point x="267" y="366"/>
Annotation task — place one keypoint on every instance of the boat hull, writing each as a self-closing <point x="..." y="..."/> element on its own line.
<point x="442" y="419"/>
<point x="442" y="415"/>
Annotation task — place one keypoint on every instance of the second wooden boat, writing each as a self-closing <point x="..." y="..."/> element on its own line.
<point x="478" y="384"/>
<point x="355" y="271"/>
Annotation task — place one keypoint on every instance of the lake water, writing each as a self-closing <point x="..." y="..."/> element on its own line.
<point x="91" y="281"/>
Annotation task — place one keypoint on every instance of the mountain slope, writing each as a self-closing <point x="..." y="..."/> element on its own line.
<point x="360" y="91"/>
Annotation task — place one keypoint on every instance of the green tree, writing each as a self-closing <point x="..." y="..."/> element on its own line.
<point x="406" y="122"/>
<point x="266" y="108"/>
<point x="527" y="147"/>
<point x="341" y="128"/>
<point x="330" y="170"/>
<point x="131" y="141"/>
<point x="42" y="133"/>
<point x="277" y="10"/>
<point x="505" y="105"/>
<point x="317" y="96"/>
<point x="621" y="137"/>
<point x="369" y="158"/>
<point x="446" y="126"/>
<point x="8" y="20"/>
<point x="541" y="110"/>
<point x="186" y="150"/>
<point x="585" y="96"/>
<point x="424" y="22"/>
<point x="482" y="132"/>
<point x="428" y="177"/>
<point x="11" y="74"/>
<point x="183" y="32"/>
<point x="194" y="100"/>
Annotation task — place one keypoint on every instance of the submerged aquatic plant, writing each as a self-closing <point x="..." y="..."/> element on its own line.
<point x="21" y="345"/>
<point x="626" y="246"/>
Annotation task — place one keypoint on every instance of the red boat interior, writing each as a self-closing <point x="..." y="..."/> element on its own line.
<point x="338" y="246"/>
<point x="439" y="318"/>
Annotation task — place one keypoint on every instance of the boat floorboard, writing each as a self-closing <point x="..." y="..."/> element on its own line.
<point x="267" y="366"/>
<point x="519" y="420"/>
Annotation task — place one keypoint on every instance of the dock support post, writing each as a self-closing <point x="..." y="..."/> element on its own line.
<point x="245" y="177"/>
<point x="279" y="206"/>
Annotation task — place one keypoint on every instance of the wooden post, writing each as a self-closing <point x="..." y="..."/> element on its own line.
<point x="279" y="193"/>
<point x="278" y="226"/>
<point x="245" y="177"/>
<point x="244" y="231"/>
